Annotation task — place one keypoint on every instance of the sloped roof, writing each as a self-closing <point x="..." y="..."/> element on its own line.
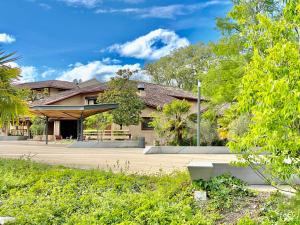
<point x="155" y="95"/>
<point x="59" y="84"/>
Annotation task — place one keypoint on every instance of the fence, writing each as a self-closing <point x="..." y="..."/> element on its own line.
<point x="107" y="135"/>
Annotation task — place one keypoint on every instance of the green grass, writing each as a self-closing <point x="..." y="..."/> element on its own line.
<point x="38" y="194"/>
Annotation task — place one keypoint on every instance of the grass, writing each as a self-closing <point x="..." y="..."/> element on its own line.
<point x="42" y="194"/>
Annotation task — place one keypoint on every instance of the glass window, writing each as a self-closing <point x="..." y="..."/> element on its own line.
<point x="145" y="123"/>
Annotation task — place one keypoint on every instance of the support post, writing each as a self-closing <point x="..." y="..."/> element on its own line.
<point x="46" y="129"/>
<point x="198" y="113"/>
<point x="78" y="124"/>
<point x="81" y="128"/>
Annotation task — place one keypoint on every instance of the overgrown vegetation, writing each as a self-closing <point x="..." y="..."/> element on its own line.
<point x="39" y="194"/>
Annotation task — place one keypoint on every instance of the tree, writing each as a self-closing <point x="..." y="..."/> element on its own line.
<point x="181" y="67"/>
<point x="232" y="52"/>
<point x="270" y="92"/>
<point x="99" y="121"/>
<point x="12" y="103"/>
<point x="173" y="122"/>
<point x="38" y="125"/>
<point x="122" y="90"/>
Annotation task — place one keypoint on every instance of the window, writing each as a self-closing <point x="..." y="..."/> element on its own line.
<point x="91" y="100"/>
<point x="145" y="123"/>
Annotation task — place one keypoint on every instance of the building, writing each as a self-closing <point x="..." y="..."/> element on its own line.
<point x="62" y="93"/>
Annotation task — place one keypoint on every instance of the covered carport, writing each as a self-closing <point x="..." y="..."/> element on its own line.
<point x="70" y="112"/>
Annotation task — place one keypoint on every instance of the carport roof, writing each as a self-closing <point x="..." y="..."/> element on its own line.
<point x="71" y="111"/>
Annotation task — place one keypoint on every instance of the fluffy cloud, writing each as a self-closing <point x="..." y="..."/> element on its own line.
<point x="95" y="69"/>
<point x="166" y="12"/>
<point x="28" y="73"/>
<point x="6" y="38"/>
<point x="84" y="3"/>
<point x="94" y="3"/>
<point x="156" y="44"/>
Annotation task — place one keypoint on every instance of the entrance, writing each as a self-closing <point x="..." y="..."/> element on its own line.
<point x="68" y="129"/>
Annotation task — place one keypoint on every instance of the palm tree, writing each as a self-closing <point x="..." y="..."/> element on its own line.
<point x="12" y="103"/>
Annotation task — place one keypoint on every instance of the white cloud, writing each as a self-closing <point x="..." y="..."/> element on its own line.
<point x="108" y="60"/>
<point x="6" y="38"/>
<point x="28" y="73"/>
<point x="84" y="3"/>
<point x="94" y="3"/>
<point x="48" y="73"/>
<point x="95" y="69"/>
<point x="144" y="47"/>
<point x="166" y="12"/>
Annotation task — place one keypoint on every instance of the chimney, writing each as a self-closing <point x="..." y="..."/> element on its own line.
<point x="141" y="89"/>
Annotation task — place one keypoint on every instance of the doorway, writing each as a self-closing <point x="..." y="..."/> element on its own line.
<point x="68" y="129"/>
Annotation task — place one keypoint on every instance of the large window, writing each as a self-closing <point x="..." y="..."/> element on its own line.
<point x="145" y="123"/>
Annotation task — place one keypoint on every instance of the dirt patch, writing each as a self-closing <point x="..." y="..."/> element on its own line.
<point x="246" y="206"/>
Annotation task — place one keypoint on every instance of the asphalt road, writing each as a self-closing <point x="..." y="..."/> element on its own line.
<point x="129" y="160"/>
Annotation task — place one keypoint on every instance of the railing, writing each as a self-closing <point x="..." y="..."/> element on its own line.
<point x="107" y="135"/>
<point x="18" y="132"/>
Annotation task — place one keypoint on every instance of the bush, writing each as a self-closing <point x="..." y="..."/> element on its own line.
<point x="38" y="126"/>
<point x="223" y="191"/>
<point x="38" y="194"/>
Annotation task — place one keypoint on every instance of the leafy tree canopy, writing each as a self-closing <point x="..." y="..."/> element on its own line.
<point x="270" y="90"/>
<point x="122" y="90"/>
<point x="181" y="67"/>
<point x="12" y="104"/>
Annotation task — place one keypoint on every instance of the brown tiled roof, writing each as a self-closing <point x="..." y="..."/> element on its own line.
<point x="70" y="93"/>
<point x="65" y="85"/>
<point x="155" y="95"/>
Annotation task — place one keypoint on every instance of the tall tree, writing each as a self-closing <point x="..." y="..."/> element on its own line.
<point x="123" y="91"/>
<point x="270" y="91"/>
<point x="181" y="67"/>
<point x="12" y="103"/>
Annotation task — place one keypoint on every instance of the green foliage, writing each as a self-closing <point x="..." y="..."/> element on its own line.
<point x="38" y="195"/>
<point x="220" y="84"/>
<point x="173" y="122"/>
<point x="224" y="191"/>
<point x="38" y="126"/>
<point x="208" y="132"/>
<point x="123" y="92"/>
<point x="12" y="104"/>
<point x="33" y="95"/>
<point x="270" y="92"/>
<point x="181" y="67"/>
<point x="99" y="122"/>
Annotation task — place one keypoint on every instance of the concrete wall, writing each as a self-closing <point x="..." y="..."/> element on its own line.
<point x="13" y="138"/>
<point x="186" y="150"/>
<point x="109" y="144"/>
<point x="207" y="170"/>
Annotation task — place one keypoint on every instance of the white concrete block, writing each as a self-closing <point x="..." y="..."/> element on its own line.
<point x="200" y="196"/>
<point x="6" y="219"/>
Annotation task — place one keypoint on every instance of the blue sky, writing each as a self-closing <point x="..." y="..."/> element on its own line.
<point x="68" y="39"/>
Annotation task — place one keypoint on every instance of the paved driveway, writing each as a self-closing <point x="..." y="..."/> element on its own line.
<point x="132" y="160"/>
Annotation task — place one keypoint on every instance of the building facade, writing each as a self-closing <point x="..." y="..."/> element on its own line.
<point x="86" y="93"/>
